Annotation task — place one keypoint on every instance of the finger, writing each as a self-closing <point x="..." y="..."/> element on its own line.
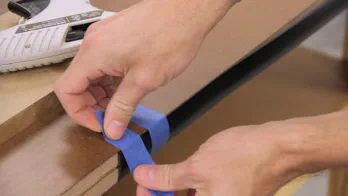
<point x="71" y="89"/>
<point x="98" y="25"/>
<point x="122" y="106"/>
<point x="97" y="92"/>
<point x="164" y="177"/>
<point x="141" y="191"/>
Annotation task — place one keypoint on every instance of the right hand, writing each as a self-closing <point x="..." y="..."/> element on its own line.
<point x="148" y="45"/>
<point x="241" y="161"/>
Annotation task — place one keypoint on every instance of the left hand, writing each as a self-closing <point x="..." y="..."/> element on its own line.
<point x="148" y="45"/>
<point x="243" y="161"/>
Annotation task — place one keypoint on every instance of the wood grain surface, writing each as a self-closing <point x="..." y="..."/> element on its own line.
<point x="338" y="182"/>
<point x="54" y="156"/>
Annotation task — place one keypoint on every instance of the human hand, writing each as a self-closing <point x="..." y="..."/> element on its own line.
<point x="243" y="161"/>
<point x="148" y="45"/>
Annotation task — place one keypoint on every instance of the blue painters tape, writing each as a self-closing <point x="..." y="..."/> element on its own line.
<point x="133" y="149"/>
<point x="156" y="123"/>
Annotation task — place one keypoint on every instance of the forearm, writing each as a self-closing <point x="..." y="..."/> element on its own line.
<point x="201" y="15"/>
<point x="318" y="143"/>
<point x="207" y="12"/>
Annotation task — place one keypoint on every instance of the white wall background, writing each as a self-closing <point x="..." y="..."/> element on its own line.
<point x="330" y="38"/>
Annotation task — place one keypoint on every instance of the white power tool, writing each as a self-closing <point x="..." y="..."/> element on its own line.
<point x="49" y="31"/>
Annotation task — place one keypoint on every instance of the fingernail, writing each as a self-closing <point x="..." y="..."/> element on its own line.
<point x="152" y="173"/>
<point x="115" y="128"/>
<point x="145" y="173"/>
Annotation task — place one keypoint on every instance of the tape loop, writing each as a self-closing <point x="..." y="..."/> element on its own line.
<point x="156" y="123"/>
<point x="131" y="144"/>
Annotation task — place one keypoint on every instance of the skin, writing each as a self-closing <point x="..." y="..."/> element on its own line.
<point x="147" y="54"/>
<point x="255" y="160"/>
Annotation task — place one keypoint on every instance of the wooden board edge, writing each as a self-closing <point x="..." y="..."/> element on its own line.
<point x="98" y="181"/>
<point x="104" y="185"/>
<point x="40" y="113"/>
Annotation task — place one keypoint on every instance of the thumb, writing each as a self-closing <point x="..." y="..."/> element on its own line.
<point x="174" y="177"/>
<point x="122" y="106"/>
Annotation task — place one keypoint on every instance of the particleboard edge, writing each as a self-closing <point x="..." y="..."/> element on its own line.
<point x="38" y="114"/>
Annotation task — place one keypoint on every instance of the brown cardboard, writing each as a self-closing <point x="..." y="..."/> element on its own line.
<point x="56" y="157"/>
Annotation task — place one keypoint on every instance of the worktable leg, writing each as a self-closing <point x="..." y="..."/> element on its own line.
<point x="345" y="53"/>
<point x="339" y="177"/>
<point x="338" y="182"/>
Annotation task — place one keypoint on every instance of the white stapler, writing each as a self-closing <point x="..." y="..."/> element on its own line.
<point x="49" y="31"/>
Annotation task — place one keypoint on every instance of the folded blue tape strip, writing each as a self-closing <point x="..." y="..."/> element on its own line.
<point x="156" y="123"/>
<point x="131" y="144"/>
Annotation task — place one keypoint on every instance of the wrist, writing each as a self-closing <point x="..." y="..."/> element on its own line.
<point x="202" y="15"/>
<point x="316" y="143"/>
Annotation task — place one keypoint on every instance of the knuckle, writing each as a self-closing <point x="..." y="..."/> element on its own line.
<point x="146" y="81"/>
<point x="74" y="118"/>
<point x="123" y="107"/>
<point x="167" y="172"/>
<point x="56" y="88"/>
<point x="92" y="28"/>
<point x="195" y="168"/>
<point x="90" y="41"/>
